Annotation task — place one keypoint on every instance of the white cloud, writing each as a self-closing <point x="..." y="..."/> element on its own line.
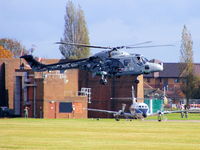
<point x="110" y="23"/>
<point x="113" y="31"/>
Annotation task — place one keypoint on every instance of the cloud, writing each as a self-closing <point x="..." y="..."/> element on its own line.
<point x="113" y="31"/>
<point x="110" y="23"/>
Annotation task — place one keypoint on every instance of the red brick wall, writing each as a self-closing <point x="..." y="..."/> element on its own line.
<point x="71" y="87"/>
<point x="102" y="94"/>
<point x="50" y="88"/>
<point x="51" y="108"/>
<point x="10" y="66"/>
<point x="3" y="93"/>
<point x="56" y="89"/>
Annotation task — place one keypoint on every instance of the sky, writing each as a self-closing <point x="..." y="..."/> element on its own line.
<point x="110" y="23"/>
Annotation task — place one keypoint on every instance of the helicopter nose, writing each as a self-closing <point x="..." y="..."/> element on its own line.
<point x="154" y="67"/>
<point x="158" y="67"/>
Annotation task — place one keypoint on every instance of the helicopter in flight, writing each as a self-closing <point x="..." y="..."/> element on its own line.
<point x="113" y="62"/>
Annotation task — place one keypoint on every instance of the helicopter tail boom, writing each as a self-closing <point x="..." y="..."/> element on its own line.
<point x="39" y="67"/>
<point x="34" y="64"/>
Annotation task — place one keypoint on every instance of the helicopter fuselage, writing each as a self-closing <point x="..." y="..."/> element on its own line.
<point x="104" y="64"/>
<point x="131" y="64"/>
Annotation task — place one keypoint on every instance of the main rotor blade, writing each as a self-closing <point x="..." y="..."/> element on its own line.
<point x="146" y="42"/>
<point x="83" y="45"/>
<point x="114" y="48"/>
<point x="129" y="47"/>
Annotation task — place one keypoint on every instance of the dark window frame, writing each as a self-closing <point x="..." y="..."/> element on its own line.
<point x="65" y="107"/>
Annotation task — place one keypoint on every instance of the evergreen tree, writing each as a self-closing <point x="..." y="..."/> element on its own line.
<point x="75" y="32"/>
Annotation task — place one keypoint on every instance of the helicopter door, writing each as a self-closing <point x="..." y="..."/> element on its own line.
<point x="138" y="60"/>
<point x="128" y="64"/>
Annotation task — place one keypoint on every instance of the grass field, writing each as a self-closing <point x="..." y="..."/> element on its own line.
<point x="105" y="134"/>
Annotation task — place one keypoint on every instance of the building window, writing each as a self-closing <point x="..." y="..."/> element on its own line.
<point x="65" y="107"/>
<point x="166" y="81"/>
<point x="176" y="80"/>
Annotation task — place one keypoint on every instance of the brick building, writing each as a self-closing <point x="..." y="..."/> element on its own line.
<point x="169" y="79"/>
<point x="7" y="72"/>
<point x="47" y="94"/>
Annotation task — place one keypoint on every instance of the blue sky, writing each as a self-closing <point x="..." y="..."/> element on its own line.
<point x="110" y="23"/>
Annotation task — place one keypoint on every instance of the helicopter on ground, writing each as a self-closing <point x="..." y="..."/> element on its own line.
<point x="140" y="110"/>
<point x="110" y="63"/>
<point x="137" y="110"/>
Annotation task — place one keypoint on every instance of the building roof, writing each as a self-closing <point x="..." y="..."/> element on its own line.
<point x="173" y="70"/>
<point x="197" y="69"/>
<point x="157" y="93"/>
<point x="170" y="70"/>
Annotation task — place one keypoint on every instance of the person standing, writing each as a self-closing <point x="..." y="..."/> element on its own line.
<point x="26" y="112"/>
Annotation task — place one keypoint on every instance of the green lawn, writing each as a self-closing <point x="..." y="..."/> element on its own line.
<point x="177" y="116"/>
<point x="105" y="134"/>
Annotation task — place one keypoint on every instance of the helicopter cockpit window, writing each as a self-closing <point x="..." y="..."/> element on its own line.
<point x="127" y="62"/>
<point x="138" y="58"/>
<point x="141" y="60"/>
<point x="144" y="59"/>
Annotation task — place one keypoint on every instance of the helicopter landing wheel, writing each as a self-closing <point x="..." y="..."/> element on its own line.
<point x="137" y="81"/>
<point x="103" y="81"/>
<point x="117" y="119"/>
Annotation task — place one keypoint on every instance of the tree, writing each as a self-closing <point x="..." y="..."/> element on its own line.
<point x="14" y="46"/>
<point x="4" y="53"/>
<point x="196" y="94"/>
<point x="75" y="32"/>
<point x="187" y="66"/>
